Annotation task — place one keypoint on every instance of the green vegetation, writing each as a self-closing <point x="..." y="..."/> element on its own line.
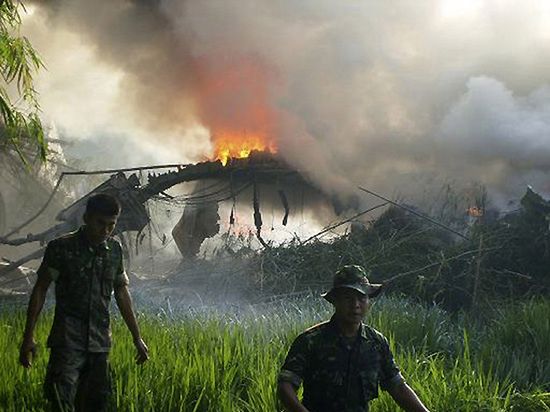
<point x="501" y="259"/>
<point x="212" y="360"/>
<point x="21" y="128"/>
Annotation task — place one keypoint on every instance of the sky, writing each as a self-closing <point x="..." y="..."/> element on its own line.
<point x="395" y="96"/>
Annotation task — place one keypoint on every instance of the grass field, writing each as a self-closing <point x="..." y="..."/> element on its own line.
<point x="227" y="360"/>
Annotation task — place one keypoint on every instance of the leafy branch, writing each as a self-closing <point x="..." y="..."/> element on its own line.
<point x="21" y="125"/>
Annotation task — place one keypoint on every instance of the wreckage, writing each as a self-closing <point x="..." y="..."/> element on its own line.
<point x="200" y="215"/>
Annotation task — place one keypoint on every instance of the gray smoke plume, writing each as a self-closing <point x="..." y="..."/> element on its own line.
<point x="384" y="94"/>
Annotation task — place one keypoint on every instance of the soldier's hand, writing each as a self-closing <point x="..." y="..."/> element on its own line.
<point x="142" y="351"/>
<point x="27" y="352"/>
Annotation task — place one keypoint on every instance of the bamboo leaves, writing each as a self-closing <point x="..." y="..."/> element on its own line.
<point x="18" y="63"/>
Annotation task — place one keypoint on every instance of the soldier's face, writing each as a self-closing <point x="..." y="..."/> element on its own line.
<point x="350" y="305"/>
<point x="99" y="227"/>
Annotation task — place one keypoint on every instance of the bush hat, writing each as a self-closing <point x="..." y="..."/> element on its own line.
<point x="353" y="277"/>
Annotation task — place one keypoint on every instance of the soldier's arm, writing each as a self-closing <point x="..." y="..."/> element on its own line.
<point x="290" y="376"/>
<point x="36" y="302"/>
<point x="288" y="397"/>
<point x="124" y="303"/>
<point x="406" y="398"/>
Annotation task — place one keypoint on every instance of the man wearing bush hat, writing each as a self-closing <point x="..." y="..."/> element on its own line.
<point x="342" y="362"/>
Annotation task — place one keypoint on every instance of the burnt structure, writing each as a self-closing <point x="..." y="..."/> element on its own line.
<point x="199" y="219"/>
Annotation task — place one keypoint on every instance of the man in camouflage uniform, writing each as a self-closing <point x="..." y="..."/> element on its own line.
<point x="342" y="362"/>
<point x="86" y="267"/>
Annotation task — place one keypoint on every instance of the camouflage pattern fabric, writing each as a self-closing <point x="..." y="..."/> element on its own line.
<point x="80" y="378"/>
<point x="84" y="277"/>
<point x="353" y="277"/>
<point x="340" y="374"/>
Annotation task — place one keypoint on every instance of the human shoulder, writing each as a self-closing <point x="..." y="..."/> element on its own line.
<point x="314" y="333"/>
<point x="308" y="339"/>
<point x="317" y="329"/>
<point x="372" y="332"/>
<point x="63" y="240"/>
<point x="114" y="244"/>
<point x="374" y="337"/>
<point x="56" y="254"/>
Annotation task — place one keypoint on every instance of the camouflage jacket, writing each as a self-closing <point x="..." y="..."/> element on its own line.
<point x="338" y="373"/>
<point x="84" y="279"/>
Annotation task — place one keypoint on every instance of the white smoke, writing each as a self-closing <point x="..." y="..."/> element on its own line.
<point x="374" y="93"/>
<point x="489" y="123"/>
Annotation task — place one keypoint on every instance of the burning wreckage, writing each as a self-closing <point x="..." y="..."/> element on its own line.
<point x="217" y="181"/>
<point x="235" y="179"/>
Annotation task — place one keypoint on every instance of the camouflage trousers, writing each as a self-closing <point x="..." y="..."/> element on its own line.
<point x="77" y="380"/>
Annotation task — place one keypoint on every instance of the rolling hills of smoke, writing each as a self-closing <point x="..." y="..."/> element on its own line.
<point x="375" y="93"/>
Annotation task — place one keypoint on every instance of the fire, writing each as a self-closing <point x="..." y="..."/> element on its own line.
<point x="237" y="146"/>
<point x="475" y="211"/>
<point x="235" y="95"/>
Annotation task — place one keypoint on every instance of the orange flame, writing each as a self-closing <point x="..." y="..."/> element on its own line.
<point x="234" y="97"/>
<point x="238" y="146"/>
<point x="475" y="211"/>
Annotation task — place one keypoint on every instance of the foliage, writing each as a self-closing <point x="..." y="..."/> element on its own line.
<point x="520" y="331"/>
<point x="22" y="128"/>
<point x="500" y="258"/>
<point x="211" y="360"/>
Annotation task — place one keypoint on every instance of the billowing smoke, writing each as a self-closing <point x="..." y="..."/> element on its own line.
<point x="384" y="94"/>
<point x="504" y="138"/>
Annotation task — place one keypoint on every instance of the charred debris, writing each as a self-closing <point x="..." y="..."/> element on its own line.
<point x="501" y="257"/>
<point x="467" y="262"/>
<point x="199" y="219"/>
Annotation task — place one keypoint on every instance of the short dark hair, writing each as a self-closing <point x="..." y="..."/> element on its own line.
<point x="103" y="204"/>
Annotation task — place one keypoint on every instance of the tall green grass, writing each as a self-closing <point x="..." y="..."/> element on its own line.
<point x="517" y="339"/>
<point x="209" y="360"/>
